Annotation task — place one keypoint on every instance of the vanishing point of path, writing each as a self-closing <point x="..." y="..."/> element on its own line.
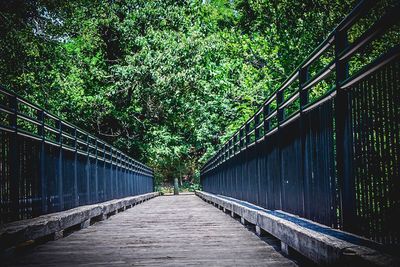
<point x="165" y="231"/>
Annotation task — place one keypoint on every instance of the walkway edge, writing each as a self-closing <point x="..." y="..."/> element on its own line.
<point x="17" y="232"/>
<point x="318" y="247"/>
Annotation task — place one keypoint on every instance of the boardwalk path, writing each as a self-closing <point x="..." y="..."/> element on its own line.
<point x="165" y="231"/>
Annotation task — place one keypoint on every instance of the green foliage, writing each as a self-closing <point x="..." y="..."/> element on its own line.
<point x="189" y="187"/>
<point x="166" y="81"/>
<point x="168" y="189"/>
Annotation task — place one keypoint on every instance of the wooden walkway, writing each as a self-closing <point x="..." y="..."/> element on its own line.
<point x="165" y="231"/>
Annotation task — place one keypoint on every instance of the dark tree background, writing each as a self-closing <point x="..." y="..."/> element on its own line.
<point x="166" y="81"/>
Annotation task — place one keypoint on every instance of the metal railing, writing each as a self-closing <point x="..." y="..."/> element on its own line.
<point x="49" y="165"/>
<point x="325" y="145"/>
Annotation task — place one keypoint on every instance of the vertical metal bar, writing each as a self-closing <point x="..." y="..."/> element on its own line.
<point x="375" y="174"/>
<point x="130" y="176"/>
<point x="96" y="187"/>
<point x="60" y="167"/>
<point x="281" y="111"/>
<point x="152" y="182"/>
<point x="240" y="139"/>
<point x="344" y="140"/>
<point x="112" y="172"/>
<point x="223" y="153"/>
<point x="258" y="159"/>
<point x="133" y="177"/>
<point x="117" y="172"/>
<point x="304" y="94"/>
<point x="125" y="174"/>
<point x="229" y="149"/>
<point x="392" y="90"/>
<point x="247" y="130"/>
<point x="42" y="167"/>
<point x="87" y="169"/>
<point x="123" y="191"/>
<point x="76" y="194"/>
<point x="104" y="173"/>
<point x="123" y="185"/>
<point x="137" y="177"/>
<point x="14" y="160"/>
<point x="256" y="129"/>
<point x="232" y="148"/>
<point x="267" y="124"/>
<point x="280" y="117"/>
<point x="303" y="77"/>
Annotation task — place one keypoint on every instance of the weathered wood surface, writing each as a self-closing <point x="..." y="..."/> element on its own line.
<point x="165" y="231"/>
<point x="30" y="229"/>
<point x="321" y="244"/>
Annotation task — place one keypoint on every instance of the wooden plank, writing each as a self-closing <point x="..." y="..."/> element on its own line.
<point x="165" y="231"/>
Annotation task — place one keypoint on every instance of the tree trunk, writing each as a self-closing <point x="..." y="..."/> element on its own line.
<point x="176" y="188"/>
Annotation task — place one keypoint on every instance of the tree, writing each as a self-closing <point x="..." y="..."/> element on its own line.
<point x="165" y="81"/>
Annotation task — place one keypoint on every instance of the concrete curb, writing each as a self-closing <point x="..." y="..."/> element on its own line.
<point x="52" y="225"/>
<point x="321" y="248"/>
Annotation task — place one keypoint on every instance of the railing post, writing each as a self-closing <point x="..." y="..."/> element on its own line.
<point x="280" y="112"/>
<point x="87" y="169"/>
<point x="152" y="185"/>
<point x="133" y="177"/>
<point x="60" y="167"/>
<point x="280" y="116"/>
<point x="344" y="157"/>
<point x="76" y="194"/>
<point x="111" y="173"/>
<point x="304" y="98"/>
<point x="14" y="159"/>
<point x="247" y="130"/>
<point x="234" y="146"/>
<point x="256" y="137"/>
<point x="304" y="94"/>
<point x="96" y="187"/>
<point x="117" y="174"/>
<point x="136" y="177"/>
<point x="229" y="148"/>
<point x="240" y="139"/>
<point x="104" y="173"/>
<point x="124" y="170"/>
<point x="267" y="124"/>
<point x="130" y="177"/>
<point x="256" y="128"/>
<point x="42" y="164"/>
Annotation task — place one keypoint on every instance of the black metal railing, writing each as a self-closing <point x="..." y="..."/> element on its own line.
<point x="326" y="144"/>
<point x="48" y="165"/>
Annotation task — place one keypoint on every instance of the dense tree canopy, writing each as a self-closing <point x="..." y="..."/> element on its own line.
<point x="166" y="81"/>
